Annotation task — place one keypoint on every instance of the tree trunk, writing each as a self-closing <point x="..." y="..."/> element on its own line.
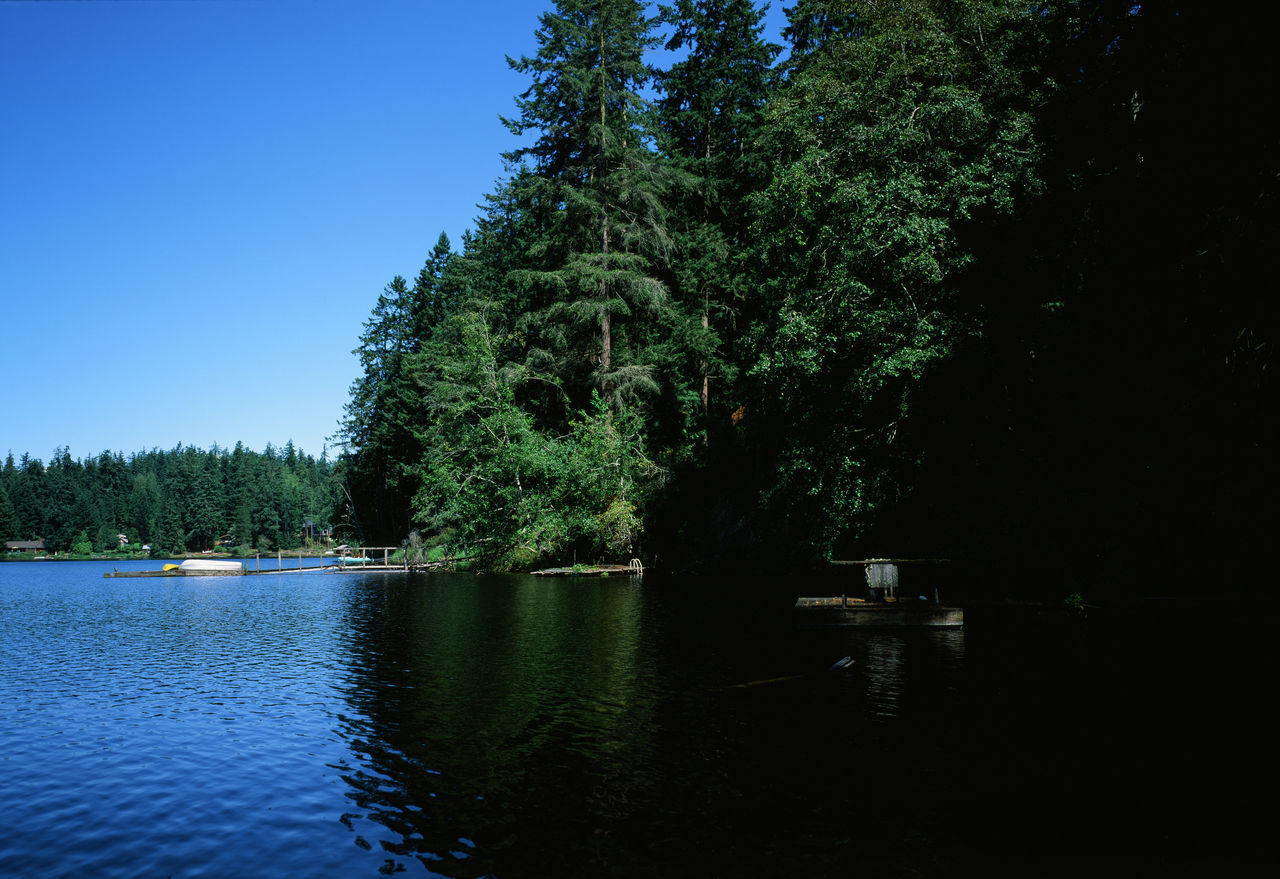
<point x="606" y="340"/>
<point x="606" y="344"/>
<point x="704" y="395"/>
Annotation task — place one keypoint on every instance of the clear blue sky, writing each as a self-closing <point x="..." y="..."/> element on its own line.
<point x="200" y="202"/>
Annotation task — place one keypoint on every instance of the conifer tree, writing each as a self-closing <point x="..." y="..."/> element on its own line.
<point x="172" y="538"/>
<point x="431" y="298"/>
<point x="378" y="427"/>
<point x="590" y="162"/>
<point x="709" y="115"/>
<point x="7" y="516"/>
<point x="811" y="23"/>
<point x="144" y="506"/>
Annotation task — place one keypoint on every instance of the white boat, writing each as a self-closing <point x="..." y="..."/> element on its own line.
<point x="210" y="566"/>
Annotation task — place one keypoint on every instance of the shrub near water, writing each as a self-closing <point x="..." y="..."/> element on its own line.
<point x="82" y="545"/>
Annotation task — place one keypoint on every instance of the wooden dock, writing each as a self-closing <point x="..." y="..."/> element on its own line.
<point x="175" y="573"/>
<point x="882" y="606"/>
<point x="839" y="610"/>
<point x="635" y="569"/>
<point x="332" y="567"/>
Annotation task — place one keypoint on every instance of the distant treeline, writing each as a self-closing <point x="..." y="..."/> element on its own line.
<point x="977" y="279"/>
<point x="174" y="501"/>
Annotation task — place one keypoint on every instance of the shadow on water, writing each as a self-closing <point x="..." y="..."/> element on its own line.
<point x="511" y="726"/>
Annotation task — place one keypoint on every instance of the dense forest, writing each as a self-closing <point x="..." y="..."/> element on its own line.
<point x="973" y="279"/>
<point x="174" y="501"/>
<point x="970" y="279"/>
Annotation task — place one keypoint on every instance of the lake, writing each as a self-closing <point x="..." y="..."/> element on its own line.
<point x="366" y="724"/>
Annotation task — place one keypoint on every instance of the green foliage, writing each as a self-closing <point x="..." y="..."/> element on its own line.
<point x="82" y="545"/>
<point x="415" y="551"/>
<point x="955" y="277"/>
<point x="509" y="493"/>
<point x="790" y="308"/>
<point x="890" y="142"/>
<point x="8" y="517"/>
<point x="378" y="431"/>
<point x="708" y="121"/>
<point x="179" y="500"/>
<point x="595" y="195"/>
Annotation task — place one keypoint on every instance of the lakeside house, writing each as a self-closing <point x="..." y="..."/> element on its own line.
<point x="24" y="546"/>
<point x="312" y="531"/>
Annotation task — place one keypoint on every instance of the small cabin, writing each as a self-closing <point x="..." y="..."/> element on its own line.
<point x="312" y="531"/>
<point x="24" y="546"/>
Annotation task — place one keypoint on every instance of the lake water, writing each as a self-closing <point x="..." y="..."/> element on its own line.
<point x="365" y="724"/>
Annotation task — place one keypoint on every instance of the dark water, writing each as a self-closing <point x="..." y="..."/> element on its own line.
<point x="325" y="725"/>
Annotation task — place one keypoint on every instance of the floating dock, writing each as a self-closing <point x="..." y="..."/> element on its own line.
<point x="310" y="569"/>
<point x="882" y="607"/>
<point x="176" y="573"/>
<point x="632" y="570"/>
<point x="366" y="561"/>
<point x="841" y="611"/>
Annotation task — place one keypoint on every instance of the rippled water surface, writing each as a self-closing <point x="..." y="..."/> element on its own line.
<point x="362" y="724"/>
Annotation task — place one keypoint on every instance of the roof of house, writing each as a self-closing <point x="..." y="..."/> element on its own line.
<point x="24" y="544"/>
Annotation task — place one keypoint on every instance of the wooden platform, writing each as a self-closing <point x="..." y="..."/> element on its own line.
<point x="591" y="571"/>
<point x="309" y="569"/>
<point x="239" y="573"/>
<point x="839" y="611"/>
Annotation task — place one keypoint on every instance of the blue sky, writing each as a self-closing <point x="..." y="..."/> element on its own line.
<point x="200" y="202"/>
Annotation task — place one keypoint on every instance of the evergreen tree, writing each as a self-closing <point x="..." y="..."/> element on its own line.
<point x="111" y="486"/>
<point x="509" y="493"/>
<point x="207" y="506"/>
<point x="61" y="516"/>
<point x="267" y="501"/>
<point x="172" y="538"/>
<point x="8" y="518"/>
<point x="709" y="117"/>
<point x="798" y="285"/>
<point x="145" y="505"/>
<point x="175" y="500"/>
<point x="432" y="299"/>
<point x="590" y="159"/>
<point x="378" y="428"/>
<point x="239" y="479"/>
<point x="30" y="498"/>
<point x="812" y="23"/>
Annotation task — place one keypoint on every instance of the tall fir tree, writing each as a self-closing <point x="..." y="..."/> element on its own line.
<point x="709" y="115"/>
<point x="378" y="429"/>
<point x="590" y="160"/>
<point x="432" y="297"/>
<point x="812" y="23"/>
<point x="8" y="518"/>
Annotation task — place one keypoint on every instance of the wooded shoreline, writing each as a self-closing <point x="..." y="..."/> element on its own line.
<point x="977" y="280"/>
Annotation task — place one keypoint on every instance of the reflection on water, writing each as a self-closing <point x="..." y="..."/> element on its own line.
<point x="884" y="658"/>
<point x="319" y="725"/>
<point x="465" y="702"/>
<point x="517" y="726"/>
<point x="896" y="660"/>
